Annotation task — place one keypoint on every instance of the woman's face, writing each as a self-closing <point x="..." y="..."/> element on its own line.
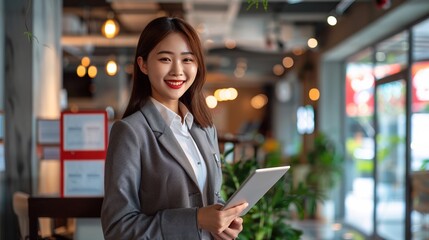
<point x="171" y="67"/>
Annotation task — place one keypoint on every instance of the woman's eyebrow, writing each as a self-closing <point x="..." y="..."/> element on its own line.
<point x="171" y="53"/>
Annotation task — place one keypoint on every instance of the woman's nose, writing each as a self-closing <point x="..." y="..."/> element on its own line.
<point x="176" y="70"/>
<point x="176" y="74"/>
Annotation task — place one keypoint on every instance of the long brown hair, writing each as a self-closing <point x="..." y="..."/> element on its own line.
<point x="193" y="98"/>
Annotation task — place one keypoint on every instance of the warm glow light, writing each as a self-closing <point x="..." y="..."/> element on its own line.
<point x="297" y="51"/>
<point x="337" y="226"/>
<point x="332" y="20"/>
<point x="225" y="94"/>
<point x="74" y="108"/>
<point x="259" y="101"/>
<point x="241" y="67"/>
<point x="287" y="62"/>
<point x="278" y="69"/>
<point x="110" y="28"/>
<point x="314" y="94"/>
<point x="217" y="94"/>
<point x="312" y="43"/>
<point x="111" y="68"/>
<point x="348" y="236"/>
<point x="208" y="43"/>
<point x="81" y="71"/>
<point x="85" y="61"/>
<point x="230" y="44"/>
<point x="211" y="101"/>
<point x="233" y="93"/>
<point x="201" y="28"/>
<point x="239" y="72"/>
<point x="92" y="71"/>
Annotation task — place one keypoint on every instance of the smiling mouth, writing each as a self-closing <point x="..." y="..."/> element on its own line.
<point x="175" y="84"/>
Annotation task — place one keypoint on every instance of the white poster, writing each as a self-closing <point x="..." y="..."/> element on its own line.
<point x="84" y="132"/>
<point x="48" y="131"/>
<point x="51" y="152"/>
<point x="83" y="177"/>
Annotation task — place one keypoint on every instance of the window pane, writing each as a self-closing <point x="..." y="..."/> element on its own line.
<point x="359" y="142"/>
<point x="391" y="55"/>
<point x="420" y="130"/>
<point x="390" y="209"/>
<point x="421" y="41"/>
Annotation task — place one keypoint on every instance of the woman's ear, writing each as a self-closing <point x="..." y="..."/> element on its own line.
<point x="142" y="65"/>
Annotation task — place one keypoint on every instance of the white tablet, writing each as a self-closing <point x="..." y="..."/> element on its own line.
<point x="255" y="186"/>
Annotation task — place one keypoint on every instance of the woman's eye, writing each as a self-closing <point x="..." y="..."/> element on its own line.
<point x="188" y="60"/>
<point x="164" y="59"/>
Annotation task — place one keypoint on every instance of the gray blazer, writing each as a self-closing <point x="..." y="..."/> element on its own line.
<point x="151" y="191"/>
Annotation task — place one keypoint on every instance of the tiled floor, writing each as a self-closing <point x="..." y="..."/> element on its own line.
<point x="316" y="230"/>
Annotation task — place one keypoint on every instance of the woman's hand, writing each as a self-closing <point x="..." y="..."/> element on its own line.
<point x="232" y="231"/>
<point x="223" y="224"/>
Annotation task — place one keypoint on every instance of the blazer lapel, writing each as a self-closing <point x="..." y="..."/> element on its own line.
<point x="167" y="138"/>
<point x="207" y="152"/>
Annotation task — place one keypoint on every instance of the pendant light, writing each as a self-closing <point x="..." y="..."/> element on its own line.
<point x="110" y="28"/>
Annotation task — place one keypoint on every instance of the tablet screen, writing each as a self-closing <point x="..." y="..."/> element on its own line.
<point x="255" y="186"/>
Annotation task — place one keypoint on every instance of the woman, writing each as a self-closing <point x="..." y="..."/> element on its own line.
<point x="162" y="172"/>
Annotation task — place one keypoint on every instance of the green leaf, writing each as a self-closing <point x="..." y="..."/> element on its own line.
<point x="265" y="220"/>
<point x="30" y="36"/>
<point x="256" y="4"/>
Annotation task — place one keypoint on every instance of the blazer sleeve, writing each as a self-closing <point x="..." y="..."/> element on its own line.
<point x="213" y="140"/>
<point x="121" y="216"/>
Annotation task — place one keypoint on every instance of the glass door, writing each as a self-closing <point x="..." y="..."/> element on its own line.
<point x="419" y="149"/>
<point x="359" y="142"/>
<point x="390" y="170"/>
<point x="419" y="146"/>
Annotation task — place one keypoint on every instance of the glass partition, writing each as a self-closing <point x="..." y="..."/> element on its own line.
<point x="359" y="142"/>
<point x="390" y="173"/>
<point x="388" y="70"/>
<point x="391" y="55"/>
<point x="419" y="131"/>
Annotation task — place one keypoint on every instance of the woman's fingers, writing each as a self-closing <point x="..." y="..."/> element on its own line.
<point x="236" y="210"/>
<point x="232" y="231"/>
<point x="217" y="221"/>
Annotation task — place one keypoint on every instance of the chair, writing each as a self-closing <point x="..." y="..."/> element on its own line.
<point x="20" y="207"/>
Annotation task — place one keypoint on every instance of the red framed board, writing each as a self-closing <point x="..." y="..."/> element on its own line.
<point x="83" y="146"/>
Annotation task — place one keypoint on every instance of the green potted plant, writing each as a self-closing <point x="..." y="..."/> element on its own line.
<point x="268" y="219"/>
<point x="323" y="171"/>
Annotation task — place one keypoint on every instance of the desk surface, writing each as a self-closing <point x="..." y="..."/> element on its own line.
<point x="65" y="206"/>
<point x="61" y="207"/>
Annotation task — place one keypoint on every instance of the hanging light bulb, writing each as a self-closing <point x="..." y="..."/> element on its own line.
<point x="312" y="42"/>
<point x="332" y="20"/>
<point x="110" y="28"/>
<point x="81" y="71"/>
<point x="92" y="71"/>
<point x="85" y="61"/>
<point x="111" y="68"/>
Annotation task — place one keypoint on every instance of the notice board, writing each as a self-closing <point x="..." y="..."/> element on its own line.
<point x="83" y="143"/>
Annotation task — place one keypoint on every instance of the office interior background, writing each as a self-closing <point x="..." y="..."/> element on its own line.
<point x="281" y="73"/>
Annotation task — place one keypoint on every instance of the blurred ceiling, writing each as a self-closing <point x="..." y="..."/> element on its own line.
<point x="261" y="37"/>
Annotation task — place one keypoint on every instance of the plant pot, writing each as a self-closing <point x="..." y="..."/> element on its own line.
<point x="326" y="211"/>
<point x="299" y="173"/>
